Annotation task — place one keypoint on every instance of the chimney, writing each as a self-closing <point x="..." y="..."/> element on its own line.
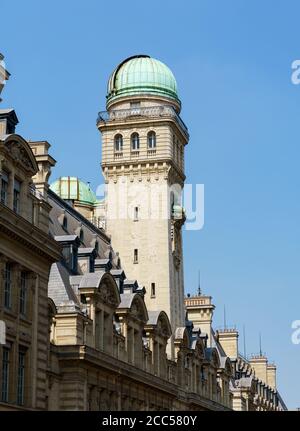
<point x="271" y="375"/>
<point x="259" y="364"/>
<point x="45" y="162"/>
<point x="200" y="311"/>
<point x="228" y="338"/>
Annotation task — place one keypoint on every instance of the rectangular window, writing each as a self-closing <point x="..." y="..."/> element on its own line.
<point x="23" y="292"/>
<point x="5" y="374"/>
<point x="135" y="104"/>
<point x="21" y="377"/>
<point x="135" y="256"/>
<point x="152" y="290"/>
<point x="16" y="203"/>
<point x="7" y="285"/>
<point x="4" y="188"/>
<point x="136" y="213"/>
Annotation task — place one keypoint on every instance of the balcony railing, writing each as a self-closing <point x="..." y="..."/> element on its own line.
<point x="118" y="154"/>
<point x="151" y="152"/>
<point x="164" y="111"/>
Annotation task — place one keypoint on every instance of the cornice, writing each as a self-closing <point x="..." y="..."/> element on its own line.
<point x="142" y="122"/>
<point x="19" y="229"/>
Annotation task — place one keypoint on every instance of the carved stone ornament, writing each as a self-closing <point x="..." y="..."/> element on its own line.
<point x="19" y="154"/>
<point x="107" y="295"/>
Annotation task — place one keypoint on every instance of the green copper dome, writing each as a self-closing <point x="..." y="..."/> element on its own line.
<point x="71" y="188"/>
<point x="141" y="74"/>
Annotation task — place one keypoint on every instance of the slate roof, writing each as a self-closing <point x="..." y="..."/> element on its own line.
<point x="59" y="287"/>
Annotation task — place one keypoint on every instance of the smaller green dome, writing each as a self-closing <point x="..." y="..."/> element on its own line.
<point x="73" y="189"/>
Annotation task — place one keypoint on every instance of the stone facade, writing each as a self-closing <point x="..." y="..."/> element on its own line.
<point x="253" y="381"/>
<point x="26" y="255"/>
<point x="93" y="300"/>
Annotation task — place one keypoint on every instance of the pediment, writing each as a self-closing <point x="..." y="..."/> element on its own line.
<point x="21" y="153"/>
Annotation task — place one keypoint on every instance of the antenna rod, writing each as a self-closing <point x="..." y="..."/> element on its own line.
<point x="260" y="351"/>
<point x="225" y="318"/>
<point x="244" y="337"/>
<point x="199" y="285"/>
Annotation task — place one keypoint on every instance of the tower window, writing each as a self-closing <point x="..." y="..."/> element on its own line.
<point x="151" y="140"/>
<point x="118" y="143"/>
<point x="152" y="290"/>
<point x="16" y="201"/>
<point x="136" y="213"/>
<point x="135" y="256"/>
<point x="135" y="141"/>
<point x="4" y="188"/>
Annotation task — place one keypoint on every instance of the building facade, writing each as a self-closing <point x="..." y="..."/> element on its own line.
<point x="92" y="292"/>
<point x="26" y="254"/>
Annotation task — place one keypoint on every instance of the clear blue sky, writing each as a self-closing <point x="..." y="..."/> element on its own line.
<point x="232" y="61"/>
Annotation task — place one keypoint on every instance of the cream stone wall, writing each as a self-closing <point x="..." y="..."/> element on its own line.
<point x="259" y="364"/>
<point x="229" y="341"/>
<point x="142" y="179"/>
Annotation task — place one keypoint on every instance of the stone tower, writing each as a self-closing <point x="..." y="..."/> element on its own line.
<point x="143" y="141"/>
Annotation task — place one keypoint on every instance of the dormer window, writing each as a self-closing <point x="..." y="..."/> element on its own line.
<point x="65" y="223"/>
<point x="81" y="235"/>
<point x="135" y="142"/>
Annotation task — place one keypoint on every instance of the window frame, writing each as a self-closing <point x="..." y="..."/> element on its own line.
<point x="17" y="195"/>
<point x="118" y="141"/>
<point x="23" y="293"/>
<point x="153" y="290"/>
<point x="135" y="141"/>
<point x="4" y="187"/>
<point x="21" y="376"/>
<point x="151" y="140"/>
<point x="5" y="371"/>
<point x="7" y="285"/>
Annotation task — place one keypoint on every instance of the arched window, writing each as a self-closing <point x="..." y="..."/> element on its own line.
<point x="151" y="140"/>
<point x="118" y="143"/>
<point x="135" y="141"/>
